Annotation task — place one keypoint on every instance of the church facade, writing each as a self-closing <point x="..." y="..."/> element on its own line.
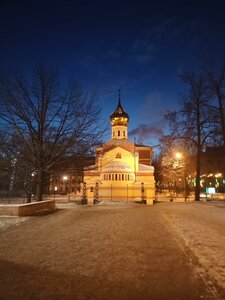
<point x="122" y="169"/>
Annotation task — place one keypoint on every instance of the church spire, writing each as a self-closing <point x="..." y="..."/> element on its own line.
<point x="119" y="120"/>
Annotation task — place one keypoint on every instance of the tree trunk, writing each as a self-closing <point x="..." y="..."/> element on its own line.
<point x="198" y="155"/>
<point x="28" y="197"/>
<point x="39" y="185"/>
<point x="222" y="118"/>
<point x="198" y="170"/>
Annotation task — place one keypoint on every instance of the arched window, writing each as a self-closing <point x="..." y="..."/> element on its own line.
<point x="118" y="132"/>
<point x="116" y="176"/>
<point x="122" y="176"/>
<point x="109" y="176"/>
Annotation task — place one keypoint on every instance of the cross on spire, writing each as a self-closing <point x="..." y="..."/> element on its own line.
<point x="119" y="101"/>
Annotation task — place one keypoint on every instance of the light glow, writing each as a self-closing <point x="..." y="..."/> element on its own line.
<point x="178" y="155"/>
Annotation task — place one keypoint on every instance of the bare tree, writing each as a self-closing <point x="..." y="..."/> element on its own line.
<point x="47" y="120"/>
<point x="216" y="84"/>
<point x="193" y="123"/>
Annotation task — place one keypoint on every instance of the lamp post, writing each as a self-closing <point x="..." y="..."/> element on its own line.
<point x="55" y="190"/>
<point x="180" y="156"/>
<point x="65" y="179"/>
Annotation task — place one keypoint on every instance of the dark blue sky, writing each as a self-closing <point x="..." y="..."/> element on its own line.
<point x="137" y="46"/>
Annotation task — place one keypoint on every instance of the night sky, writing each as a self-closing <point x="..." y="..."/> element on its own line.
<point x="138" y="46"/>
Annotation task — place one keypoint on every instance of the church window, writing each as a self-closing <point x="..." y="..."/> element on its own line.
<point x="118" y="132"/>
<point x="116" y="176"/>
<point x="118" y="155"/>
<point x="109" y="176"/>
<point x="122" y="176"/>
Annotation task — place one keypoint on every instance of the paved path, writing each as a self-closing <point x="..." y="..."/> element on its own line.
<point x="91" y="253"/>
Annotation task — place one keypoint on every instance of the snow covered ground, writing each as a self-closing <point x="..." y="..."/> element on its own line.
<point x="6" y="222"/>
<point x="202" y="228"/>
<point x="110" y="230"/>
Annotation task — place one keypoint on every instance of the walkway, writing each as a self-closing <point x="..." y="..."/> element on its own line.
<point x="102" y="252"/>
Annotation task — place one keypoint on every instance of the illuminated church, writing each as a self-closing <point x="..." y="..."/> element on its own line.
<point x="122" y="169"/>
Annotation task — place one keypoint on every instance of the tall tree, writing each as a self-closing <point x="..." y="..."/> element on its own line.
<point x="216" y="84"/>
<point x="47" y="120"/>
<point x="193" y="123"/>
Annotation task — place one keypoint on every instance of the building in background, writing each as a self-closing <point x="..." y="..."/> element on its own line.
<point x="178" y="174"/>
<point x="68" y="175"/>
<point x="123" y="170"/>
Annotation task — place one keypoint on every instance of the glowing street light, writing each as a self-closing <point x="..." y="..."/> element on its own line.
<point x="55" y="190"/>
<point x="65" y="178"/>
<point x="180" y="156"/>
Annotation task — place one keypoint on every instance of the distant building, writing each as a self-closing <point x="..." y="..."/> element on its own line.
<point x="213" y="169"/>
<point x="123" y="170"/>
<point x="68" y="175"/>
<point x="212" y="172"/>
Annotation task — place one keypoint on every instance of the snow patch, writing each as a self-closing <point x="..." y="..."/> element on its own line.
<point x="6" y="222"/>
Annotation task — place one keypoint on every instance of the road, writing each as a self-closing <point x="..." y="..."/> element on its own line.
<point x="103" y="252"/>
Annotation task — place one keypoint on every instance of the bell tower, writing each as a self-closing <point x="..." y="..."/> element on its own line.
<point x="119" y="120"/>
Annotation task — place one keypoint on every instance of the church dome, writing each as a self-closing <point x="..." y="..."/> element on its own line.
<point x="117" y="165"/>
<point x="119" y="116"/>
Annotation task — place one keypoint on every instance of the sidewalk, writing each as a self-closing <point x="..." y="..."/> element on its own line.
<point x="98" y="253"/>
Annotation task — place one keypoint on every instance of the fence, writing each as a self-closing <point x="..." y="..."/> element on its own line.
<point x="117" y="193"/>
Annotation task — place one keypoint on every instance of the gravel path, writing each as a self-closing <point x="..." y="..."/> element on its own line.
<point x="102" y="252"/>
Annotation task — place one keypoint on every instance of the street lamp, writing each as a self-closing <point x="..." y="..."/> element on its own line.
<point x="180" y="156"/>
<point x="55" y="190"/>
<point x="65" y="178"/>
